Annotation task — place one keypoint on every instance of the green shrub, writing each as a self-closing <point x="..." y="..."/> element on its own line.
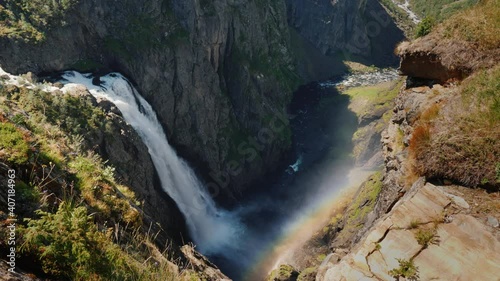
<point x="13" y="145"/>
<point x="75" y="115"/>
<point x="92" y="169"/>
<point x="27" y="192"/>
<point x="414" y="224"/>
<point x="406" y="269"/>
<point x="284" y="272"/>
<point x="19" y="119"/>
<point x="424" y="27"/>
<point x="308" y="274"/>
<point x="425" y="237"/>
<point x="68" y="243"/>
<point x="29" y="19"/>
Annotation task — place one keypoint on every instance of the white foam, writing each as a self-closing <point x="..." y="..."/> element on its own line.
<point x="210" y="227"/>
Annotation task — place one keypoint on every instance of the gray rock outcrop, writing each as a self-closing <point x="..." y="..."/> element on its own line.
<point x="471" y="251"/>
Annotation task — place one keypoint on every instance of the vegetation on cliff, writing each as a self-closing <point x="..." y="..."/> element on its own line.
<point x="439" y="10"/>
<point x="74" y="220"/>
<point x="28" y="19"/>
<point x="458" y="139"/>
<point x="341" y="229"/>
<point x="283" y="273"/>
<point x="431" y="12"/>
<point x="473" y="21"/>
<point x="479" y="26"/>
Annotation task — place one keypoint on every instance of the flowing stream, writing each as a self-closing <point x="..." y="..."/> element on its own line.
<point x="210" y="227"/>
<point x="405" y="6"/>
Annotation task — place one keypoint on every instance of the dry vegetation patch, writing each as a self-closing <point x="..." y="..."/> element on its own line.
<point x="461" y="142"/>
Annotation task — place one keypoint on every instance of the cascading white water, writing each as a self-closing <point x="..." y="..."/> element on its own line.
<point x="238" y="239"/>
<point x="210" y="228"/>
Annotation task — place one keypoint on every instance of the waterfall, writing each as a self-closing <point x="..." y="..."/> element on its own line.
<point x="210" y="227"/>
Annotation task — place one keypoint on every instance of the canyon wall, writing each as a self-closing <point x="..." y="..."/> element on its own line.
<point x="218" y="73"/>
<point x="359" y="30"/>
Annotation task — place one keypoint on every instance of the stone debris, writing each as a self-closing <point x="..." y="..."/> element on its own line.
<point x="459" y="201"/>
<point x="492" y="221"/>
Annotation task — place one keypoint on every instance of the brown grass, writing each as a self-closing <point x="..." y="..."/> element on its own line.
<point x="461" y="141"/>
<point x="431" y="113"/>
<point x="420" y="139"/>
<point x="479" y="25"/>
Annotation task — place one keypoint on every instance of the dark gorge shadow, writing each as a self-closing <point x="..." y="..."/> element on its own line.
<point x="322" y="127"/>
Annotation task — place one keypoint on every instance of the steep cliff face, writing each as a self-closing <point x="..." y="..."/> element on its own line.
<point x="216" y="72"/>
<point x="113" y="138"/>
<point x="359" y="30"/>
<point x="58" y="180"/>
<point x="120" y="144"/>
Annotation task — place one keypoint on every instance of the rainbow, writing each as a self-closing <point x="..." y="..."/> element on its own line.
<point x="302" y="228"/>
